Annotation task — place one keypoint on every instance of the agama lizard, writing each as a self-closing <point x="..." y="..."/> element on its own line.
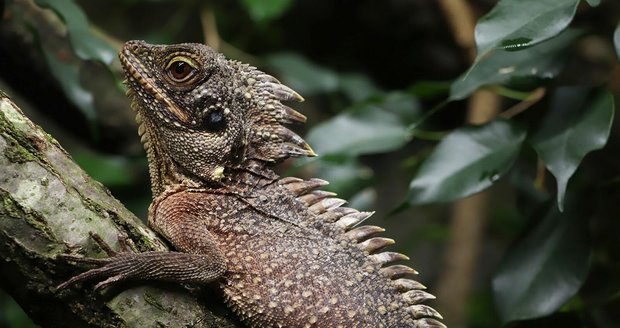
<point x="284" y="253"/>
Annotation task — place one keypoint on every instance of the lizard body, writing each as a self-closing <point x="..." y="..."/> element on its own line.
<point x="284" y="253"/>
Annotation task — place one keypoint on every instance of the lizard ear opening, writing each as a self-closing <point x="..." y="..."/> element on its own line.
<point x="214" y="121"/>
<point x="268" y="139"/>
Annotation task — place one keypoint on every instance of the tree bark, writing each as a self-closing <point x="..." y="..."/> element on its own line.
<point x="48" y="206"/>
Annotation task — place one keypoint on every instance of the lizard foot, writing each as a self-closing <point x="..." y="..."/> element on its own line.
<point x="168" y="266"/>
<point x="109" y="267"/>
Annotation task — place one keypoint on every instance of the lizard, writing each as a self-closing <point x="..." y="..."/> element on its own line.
<point x="284" y="252"/>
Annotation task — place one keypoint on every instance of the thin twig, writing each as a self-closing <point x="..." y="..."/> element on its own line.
<point x="461" y="18"/>
<point x="534" y="98"/>
<point x="209" y="27"/>
<point x="539" y="181"/>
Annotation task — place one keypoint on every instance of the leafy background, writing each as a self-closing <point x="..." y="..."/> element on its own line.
<point x="493" y="161"/>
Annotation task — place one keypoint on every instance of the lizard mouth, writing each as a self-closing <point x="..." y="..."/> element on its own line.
<point x="140" y="81"/>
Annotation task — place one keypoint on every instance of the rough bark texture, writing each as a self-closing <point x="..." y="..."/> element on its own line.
<point x="48" y="206"/>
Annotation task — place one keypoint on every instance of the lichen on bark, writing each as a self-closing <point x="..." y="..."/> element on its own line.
<point x="48" y="206"/>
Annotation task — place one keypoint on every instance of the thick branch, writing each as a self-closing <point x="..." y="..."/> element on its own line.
<point x="48" y="205"/>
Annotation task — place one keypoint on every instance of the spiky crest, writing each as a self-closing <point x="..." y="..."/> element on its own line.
<point x="268" y="139"/>
<point x="346" y="222"/>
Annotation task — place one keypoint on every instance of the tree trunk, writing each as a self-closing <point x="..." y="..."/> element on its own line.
<point x="48" y="206"/>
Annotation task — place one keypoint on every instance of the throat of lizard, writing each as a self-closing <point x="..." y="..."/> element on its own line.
<point x="163" y="171"/>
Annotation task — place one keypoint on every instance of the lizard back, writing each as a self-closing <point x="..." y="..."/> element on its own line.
<point x="296" y="258"/>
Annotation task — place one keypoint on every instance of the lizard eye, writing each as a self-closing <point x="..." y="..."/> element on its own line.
<point x="180" y="69"/>
<point x="214" y="121"/>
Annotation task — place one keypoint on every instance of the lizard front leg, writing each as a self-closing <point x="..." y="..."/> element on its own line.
<point x="199" y="260"/>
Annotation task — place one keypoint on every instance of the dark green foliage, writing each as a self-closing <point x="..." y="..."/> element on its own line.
<point x="468" y="160"/>
<point x="573" y="127"/>
<point x="86" y="45"/>
<point x="516" y="25"/>
<point x="535" y="284"/>
<point x="542" y="61"/>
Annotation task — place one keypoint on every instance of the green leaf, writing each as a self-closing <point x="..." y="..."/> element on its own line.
<point x="572" y="129"/>
<point x="430" y="89"/>
<point x="514" y="25"/>
<point x="302" y="75"/>
<point x="357" y="87"/>
<point x="365" y="200"/>
<point x="542" y="61"/>
<point x="467" y="161"/>
<point x="593" y="3"/>
<point x="529" y="197"/>
<point x="265" y="10"/>
<point x="346" y="177"/>
<point x="404" y="105"/>
<point x="617" y="40"/>
<point x="87" y="46"/>
<point x="109" y="170"/>
<point x="68" y="75"/>
<point x="546" y="268"/>
<point x="362" y="130"/>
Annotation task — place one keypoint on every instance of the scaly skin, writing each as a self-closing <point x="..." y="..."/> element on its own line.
<point x="284" y="253"/>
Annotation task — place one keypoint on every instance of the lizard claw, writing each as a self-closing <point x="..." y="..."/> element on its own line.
<point x="124" y="243"/>
<point x="88" y="275"/>
<point x="105" y="246"/>
<point x="108" y="282"/>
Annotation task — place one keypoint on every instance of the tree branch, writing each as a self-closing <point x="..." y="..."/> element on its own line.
<point x="469" y="215"/>
<point x="48" y="205"/>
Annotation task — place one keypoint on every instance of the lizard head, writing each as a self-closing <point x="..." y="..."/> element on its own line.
<point x="204" y="114"/>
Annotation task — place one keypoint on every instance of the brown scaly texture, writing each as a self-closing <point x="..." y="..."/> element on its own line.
<point x="284" y="253"/>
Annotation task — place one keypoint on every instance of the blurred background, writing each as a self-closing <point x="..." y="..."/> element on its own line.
<point x="377" y="77"/>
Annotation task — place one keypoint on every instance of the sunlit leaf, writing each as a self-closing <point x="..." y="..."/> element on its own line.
<point x="363" y="130"/>
<point x="500" y="67"/>
<point x="514" y="25"/>
<point x="544" y="269"/>
<point x="572" y="129"/>
<point x="302" y="75"/>
<point x="87" y="46"/>
<point x="617" y="40"/>
<point x="467" y="161"/>
<point x="265" y="10"/>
